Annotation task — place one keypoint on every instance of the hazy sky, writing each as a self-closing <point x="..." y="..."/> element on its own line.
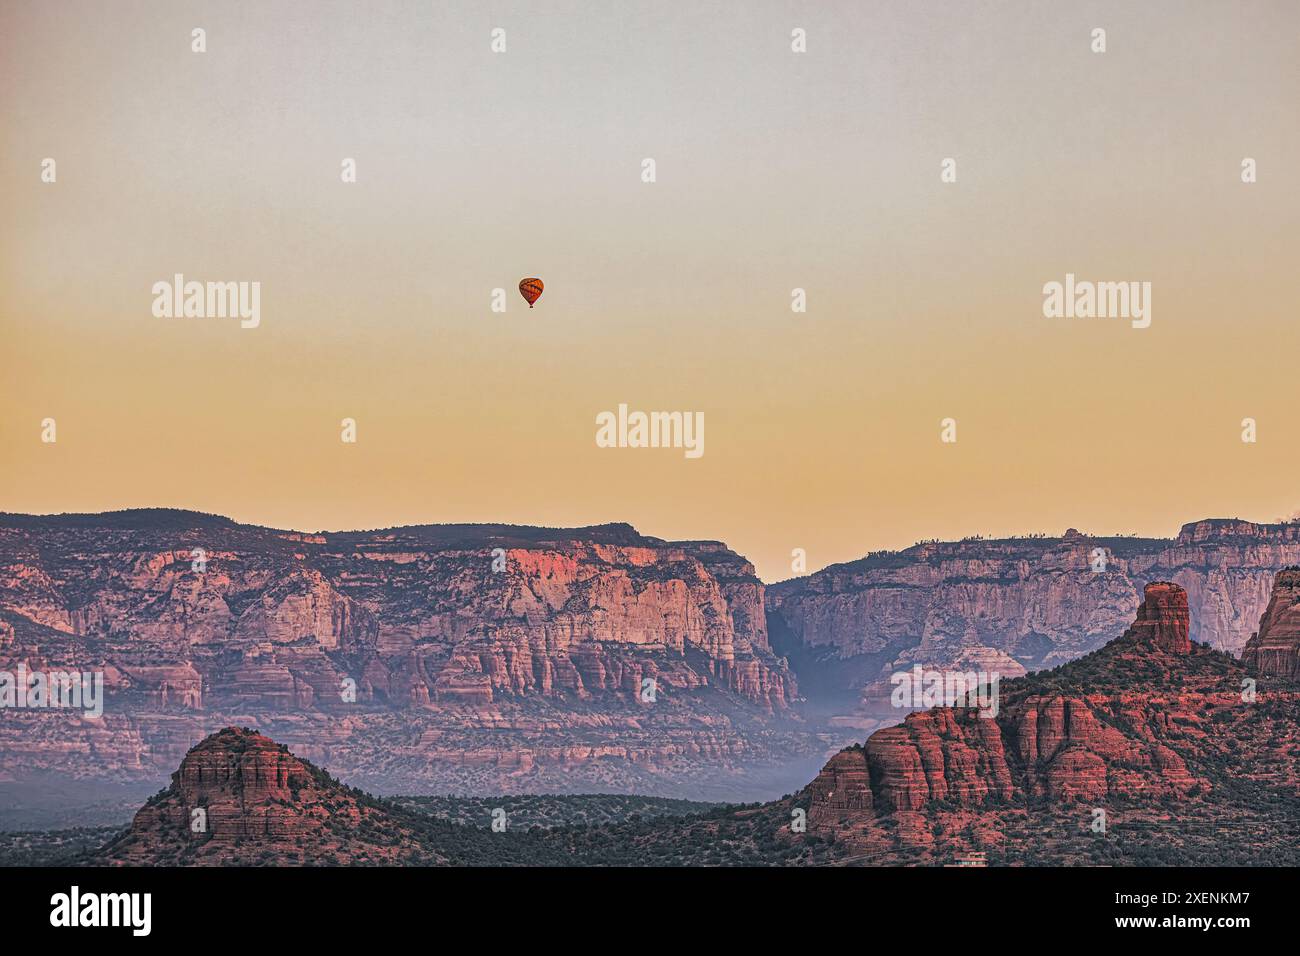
<point x="775" y="170"/>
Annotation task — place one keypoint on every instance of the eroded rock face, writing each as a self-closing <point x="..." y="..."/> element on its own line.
<point x="1123" y="723"/>
<point x="530" y="641"/>
<point x="1275" y="648"/>
<point x="1163" y="618"/>
<point x="1039" y="601"/>
<point x="843" y="786"/>
<point x="240" y="798"/>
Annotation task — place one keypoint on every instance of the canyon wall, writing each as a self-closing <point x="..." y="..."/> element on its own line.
<point x="492" y="658"/>
<point x="1018" y="604"/>
<point x="431" y="656"/>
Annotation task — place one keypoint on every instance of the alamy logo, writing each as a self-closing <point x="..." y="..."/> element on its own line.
<point x="63" y="689"/>
<point x="103" y="909"/>
<point x="179" y="299"/>
<point x="1098" y="300"/>
<point x="651" y="430"/>
<point x="930" y="688"/>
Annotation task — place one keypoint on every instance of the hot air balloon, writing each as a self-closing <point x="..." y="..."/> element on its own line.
<point x="531" y="290"/>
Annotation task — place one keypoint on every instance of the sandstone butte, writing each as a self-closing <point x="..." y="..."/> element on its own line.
<point x="239" y="798"/>
<point x="1154" y="730"/>
<point x="530" y="678"/>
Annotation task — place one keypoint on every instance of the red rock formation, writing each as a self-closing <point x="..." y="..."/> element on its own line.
<point x="1089" y="732"/>
<point x="241" y="798"/>
<point x="1275" y="648"/>
<point x="527" y="640"/>
<point x="844" y="785"/>
<point x="1163" y="618"/>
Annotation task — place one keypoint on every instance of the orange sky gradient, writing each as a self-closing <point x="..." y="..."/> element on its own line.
<point x="775" y="170"/>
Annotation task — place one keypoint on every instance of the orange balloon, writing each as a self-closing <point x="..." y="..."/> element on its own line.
<point x="531" y="289"/>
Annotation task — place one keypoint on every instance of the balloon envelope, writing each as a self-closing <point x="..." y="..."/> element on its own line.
<point x="531" y="289"/>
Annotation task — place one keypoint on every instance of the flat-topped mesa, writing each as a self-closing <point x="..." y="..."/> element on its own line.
<point x="1225" y="530"/>
<point x="1163" y="620"/>
<point x="1275" y="649"/>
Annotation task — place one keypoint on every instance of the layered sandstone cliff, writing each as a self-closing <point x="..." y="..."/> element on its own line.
<point x="1029" y="602"/>
<point x="1275" y="648"/>
<point x="1059" y="746"/>
<point x="483" y="657"/>
<point x="500" y="649"/>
